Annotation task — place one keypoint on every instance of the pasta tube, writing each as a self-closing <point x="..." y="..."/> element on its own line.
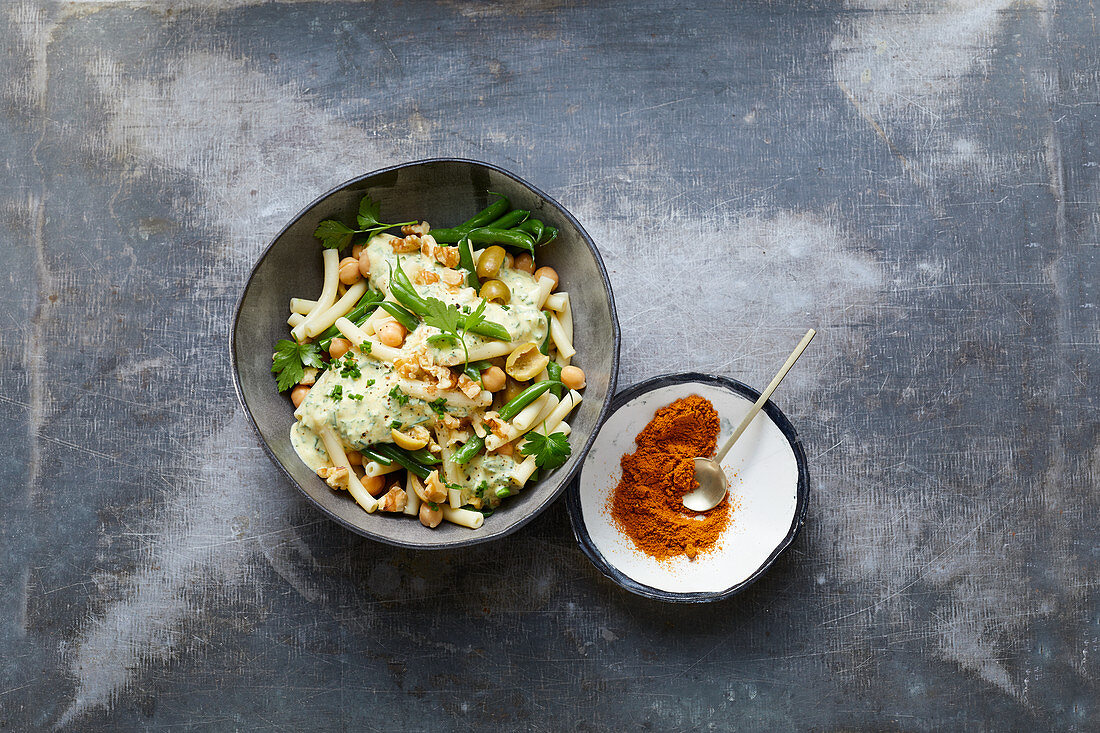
<point x="302" y="306"/>
<point x="374" y="468"/>
<point x="463" y="517"/>
<point x="555" y="301"/>
<point x="339" y="458"/>
<point x="566" y="319"/>
<point x="454" y="498"/>
<point x="338" y="309"/>
<point x="295" y="319"/>
<point x="331" y="260"/>
<point x="479" y="352"/>
<point x="412" y="503"/>
<point x="545" y="286"/>
<point x="561" y="341"/>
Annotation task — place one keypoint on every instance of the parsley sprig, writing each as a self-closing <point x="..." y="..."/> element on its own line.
<point x="550" y="451"/>
<point x="453" y="323"/>
<point x="337" y="235"/>
<point x="290" y="361"/>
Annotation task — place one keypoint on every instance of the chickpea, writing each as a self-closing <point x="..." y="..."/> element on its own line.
<point x="298" y="394"/>
<point x="349" y="271"/>
<point x="526" y="263"/>
<point x="549" y="272"/>
<point x="338" y="347"/>
<point x="429" y="517"/>
<point x="392" y="334"/>
<point x="364" y="264"/>
<point x="373" y="484"/>
<point x="572" y="377"/>
<point x="356" y="250"/>
<point x="493" y="379"/>
<point x="355" y="458"/>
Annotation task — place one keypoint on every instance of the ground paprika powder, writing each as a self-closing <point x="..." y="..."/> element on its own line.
<point x="647" y="505"/>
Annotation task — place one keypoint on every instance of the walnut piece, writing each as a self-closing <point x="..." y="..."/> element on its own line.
<point x="334" y="476"/>
<point x="394" y="500"/>
<point x="421" y="228"/>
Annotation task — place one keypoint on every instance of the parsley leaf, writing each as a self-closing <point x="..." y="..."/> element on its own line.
<point x="369" y="211"/>
<point x="475" y="318"/>
<point x="445" y="317"/>
<point x="333" y="234"/>
<point x="290" y="360"/>
<point x="550" y="451"/>
<point x="397" y="394"/>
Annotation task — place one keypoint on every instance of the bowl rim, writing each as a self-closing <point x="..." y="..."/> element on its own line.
<point x="564" y="481"/>
<point x="580" y="529"/>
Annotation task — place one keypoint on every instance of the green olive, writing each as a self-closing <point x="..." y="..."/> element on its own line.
<point x="488" y="265"/>
<point x="496" y="290"/>
<point x="525" y="362"/>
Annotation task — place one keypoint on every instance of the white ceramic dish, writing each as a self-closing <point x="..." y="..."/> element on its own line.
<point x="769" y="488"/>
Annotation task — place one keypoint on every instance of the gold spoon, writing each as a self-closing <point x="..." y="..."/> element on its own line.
<point x="708" y="471"/>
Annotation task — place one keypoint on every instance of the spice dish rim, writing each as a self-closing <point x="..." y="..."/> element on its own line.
<point x="628" y="395"/>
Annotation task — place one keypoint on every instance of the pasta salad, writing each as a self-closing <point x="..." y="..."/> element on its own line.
<point x="432" y="375"/>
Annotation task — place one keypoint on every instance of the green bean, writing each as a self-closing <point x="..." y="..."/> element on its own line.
<point x="391" y="451"/>
<point x="423" y="455"/>
<point x="466" y="260"/>
<point x="507" y="237"/>
<point x="523" y="399"/>
<point x="468" y="450"/>
<point x="493" y="330"/>
<point x="510" y="220"/>
<point x="489" y="214"/>
<point x="533" y="227"/>
<point x="370" y="298"/>
<point x="405" y="293"/>
<point x="375" y="456"/>
<point x="503" y="492"/>
<point x="544" y="347"/>
<point x="553" y="370"/>
<point x="403" y="316"/>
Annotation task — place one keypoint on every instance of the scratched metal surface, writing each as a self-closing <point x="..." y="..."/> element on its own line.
<point x="921" y="184"/>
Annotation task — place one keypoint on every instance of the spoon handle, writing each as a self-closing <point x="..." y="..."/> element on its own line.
<point x="766" y="394"/>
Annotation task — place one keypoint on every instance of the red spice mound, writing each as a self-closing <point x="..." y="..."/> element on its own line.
<point x="647" y="505"/>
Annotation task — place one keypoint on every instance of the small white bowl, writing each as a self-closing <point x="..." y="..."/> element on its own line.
<point x="769" y="488"/>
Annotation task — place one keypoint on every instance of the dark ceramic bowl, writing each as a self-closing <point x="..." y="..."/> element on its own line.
<point x="769" y="490"/>
<point x="444" y="192"/>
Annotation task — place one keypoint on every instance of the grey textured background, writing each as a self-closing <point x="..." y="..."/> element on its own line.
<point x="919" y="181"/>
